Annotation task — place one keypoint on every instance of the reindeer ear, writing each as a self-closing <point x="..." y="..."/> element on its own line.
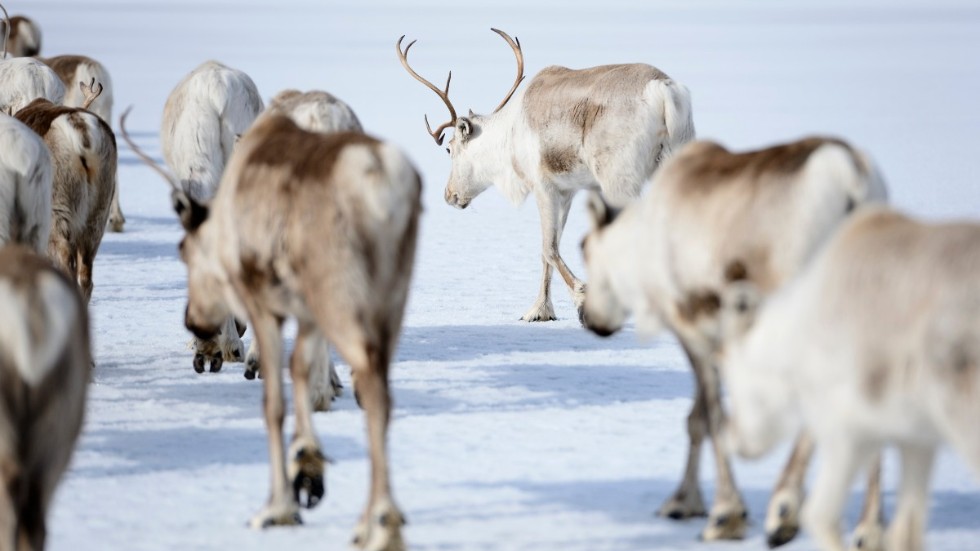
<point x="191" y="213"/>
<point x="600" y="212"/>
<point x="472" y="114"/>
<point x="464" y="127"/>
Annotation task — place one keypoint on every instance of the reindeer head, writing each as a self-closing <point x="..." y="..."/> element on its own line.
<point x="206" y="309"/>
<point x="604" y="312"/>
<point x="470" y="175"/>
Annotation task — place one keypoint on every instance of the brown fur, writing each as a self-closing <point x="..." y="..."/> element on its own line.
<point x="708" y="164"/>
<point x="333" y="220"/>
<point x="40" y="423"/>
<point x="14" y="47"/>
<point x="65" y="66"/>
<point x="697" y="305"/>
<point x="591" y="89"/>
<point x="80" y="178"/>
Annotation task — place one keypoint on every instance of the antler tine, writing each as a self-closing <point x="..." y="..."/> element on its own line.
<point x="516" y="46"/>
<point x="90" y="91"/>
<point x="143" y="156"/>
<point x="6" y="30"/>
<point x="443" y="94"/>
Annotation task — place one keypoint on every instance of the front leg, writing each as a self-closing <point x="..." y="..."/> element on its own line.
<point x="281" y="509"/>
<point x="869" y="535"/>
<point x="553" y="206"/>
<point x="841" y="457"/>
<point x="783" y="516"/>
<point x="728" y="518"/>
<point x="907" y="530"/>
<point x="686" y="501"/>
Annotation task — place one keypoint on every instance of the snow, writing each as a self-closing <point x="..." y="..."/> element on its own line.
<point x="506" y="435"/>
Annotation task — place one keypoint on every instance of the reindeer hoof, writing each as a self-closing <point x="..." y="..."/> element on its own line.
<point x="782" y="536"/>
<point x="783" y="517"/>
<point x="683" y="505"/>
<point x="249" y="374"/>
<point x="251" y="367"/>
<point x="285" y="515"/>
<point x="116" y="225"/>
<point x="199" y="362"/>
<point x="726" y="523"/>
<point x="306" y="470"/>
<point x="216" y="362"/>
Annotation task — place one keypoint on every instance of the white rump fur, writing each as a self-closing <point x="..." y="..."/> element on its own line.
<point x="25" y="186"/>
<point x="35" y="355"/>
<point x="26" y="79"/>
<point x="87" y="71"/>
<point x="202" y="120"/>
<point x="876" y="343"/>
<point x="708" y="215"/>
<point x="315" y="111"/>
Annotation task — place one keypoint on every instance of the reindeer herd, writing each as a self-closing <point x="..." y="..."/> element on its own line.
<point x="824" y="314"/>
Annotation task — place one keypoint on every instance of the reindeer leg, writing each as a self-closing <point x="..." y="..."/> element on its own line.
<point x="325" y="384"/>
<point x="380" y="526"/>
<point x="116" y="218"/>
<point x="252" y="364"/>
<point x="869" y="535"/>
<point x="907" y="529"/>
<point x="728" y="517"/>
<point x="841" y="458"/>
<point x="783" y="515"/>
<point x="306" y="461"/>
<point x="232" y="349"/>
<point x="686" y="501"/>
<point x="281" y="508"/>
<point x="553" y="209"/>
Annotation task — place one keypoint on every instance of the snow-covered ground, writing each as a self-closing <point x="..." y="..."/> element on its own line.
<point x="505" y="435"/>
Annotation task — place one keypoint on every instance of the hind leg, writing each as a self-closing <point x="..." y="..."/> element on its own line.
<point x="907" y="530"/>
<point x="116" y="218"/>
<point x="783" y="515"/>
<point x="306" y="462"/>
<point x="869" y="535"/>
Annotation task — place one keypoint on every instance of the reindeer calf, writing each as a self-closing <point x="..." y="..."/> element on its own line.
<point x="25" y="186"/>
<point x="44" y="372"/>
<point x="204" y="116"/>
<point x="83" y="153"/>
<point x="877" y="342"/>
<point x="713" y="215"/>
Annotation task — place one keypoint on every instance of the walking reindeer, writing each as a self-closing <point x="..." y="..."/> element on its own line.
<point x="330" y="241"/>
<point x="713" y="216"/>
<point x="607" y="127"/>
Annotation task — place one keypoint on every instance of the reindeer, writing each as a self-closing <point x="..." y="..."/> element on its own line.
<point x="331" y="242"/>
<point x="44" y="369"/>
<point x="83" y="153"/>
<point x="72" y="69"/>
<point x="877" y="342"/>
<point x="606" y="127"/>
<point x="25" y="79"/>
<point x="314" y="111"/>
<point x="710" y="215"/>
<point x="25" y="186"/>
<point x="22" y="36"/>
<point x="202" y="119"/>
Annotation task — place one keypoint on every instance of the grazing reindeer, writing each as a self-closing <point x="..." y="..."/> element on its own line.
<point x="45" y="365"/>
<point x="712" y="215"/>
<point x="607" y="127"/>
<point x="25" y="186"/>
<point x="83" y="151"/>
<point x="25" y="79"/>
<point x="21" y="36"/>
<point x="877" y="342"/>
<point x="331" y="242"/>
<point x="72" y="69"/>
<point x="202" y="119"/>
<point x="314" y="111"/>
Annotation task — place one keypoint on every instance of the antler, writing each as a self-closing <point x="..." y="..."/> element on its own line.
<point x="443" y="94"/>
<point x="6" y="30"/>
<point x="145" y="158"/>
<point x="91" y="92"/>
<point x="516" y="46"/>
